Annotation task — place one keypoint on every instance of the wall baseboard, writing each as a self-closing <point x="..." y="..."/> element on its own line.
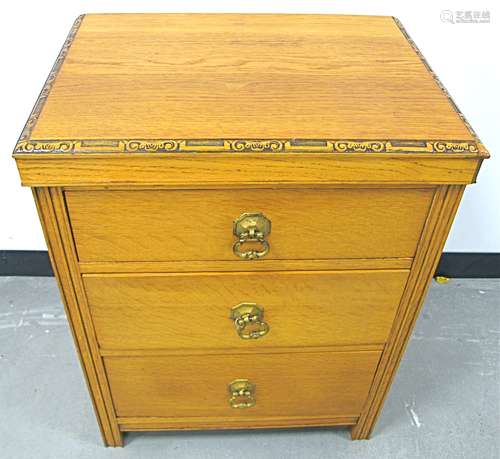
<point x="452" y="264"/>
<point x="25" y="263"/>
<point x="469" y="264"/>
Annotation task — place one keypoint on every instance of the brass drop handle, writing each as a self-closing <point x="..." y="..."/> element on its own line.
<point x="242" y="393"/>
<point x="249" y="321"/>
<point x="251" y="227"/>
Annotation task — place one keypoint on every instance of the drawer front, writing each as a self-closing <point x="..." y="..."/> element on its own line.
<point x="304" y="384"/>
<point x="163" y="225"/>
<point x="297" y="308"/>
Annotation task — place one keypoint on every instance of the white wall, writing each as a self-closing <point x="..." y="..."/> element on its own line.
<point x="465" y="56"/>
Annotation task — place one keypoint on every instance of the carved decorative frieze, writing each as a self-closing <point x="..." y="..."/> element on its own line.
<point x="245" y="146"/>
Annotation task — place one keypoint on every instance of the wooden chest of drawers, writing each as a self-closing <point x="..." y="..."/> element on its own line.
<point x="243" y="212"/>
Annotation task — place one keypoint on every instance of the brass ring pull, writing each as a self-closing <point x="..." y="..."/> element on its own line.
<point x="251" y="227"/>
<point x="250" y="254"/>
<point x="249" y="321"/>
<point x="242" y="393"/>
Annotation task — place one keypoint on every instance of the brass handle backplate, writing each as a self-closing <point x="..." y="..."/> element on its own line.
<point x="242" y="393"/>
<point x="251" y="227"/>
<point x="249" y="320"/>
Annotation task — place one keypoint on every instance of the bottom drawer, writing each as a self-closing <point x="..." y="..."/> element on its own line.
<point x="278" y="384"/>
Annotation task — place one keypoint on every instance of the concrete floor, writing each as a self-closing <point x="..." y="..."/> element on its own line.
<point x="444" y="402"/>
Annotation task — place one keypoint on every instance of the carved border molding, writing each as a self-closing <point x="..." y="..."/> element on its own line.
<point x="42" y="98"/>
<point x="246" y="145"/>
<point x="480" y="146"/>
<point x="27" y="145"/>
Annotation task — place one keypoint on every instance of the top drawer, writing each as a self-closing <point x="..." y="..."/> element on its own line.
<point x="197" y="225"/>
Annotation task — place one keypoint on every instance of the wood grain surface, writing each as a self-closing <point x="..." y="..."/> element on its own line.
<point x="312" y="384"/>
<point x="335" y="264"/>
<point x="198" y="225"/>
<point x="61" y="250"/>
<point x="437" y="227"/>
<point x="186" y="311"/>
<point x="180" y="170"/>
<point x="154" y="423"/>
<point x="252" y="76"/>
<point x="154" y="132"/>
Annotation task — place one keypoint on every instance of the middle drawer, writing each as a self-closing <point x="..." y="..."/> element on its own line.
<point x="243" y="310"/>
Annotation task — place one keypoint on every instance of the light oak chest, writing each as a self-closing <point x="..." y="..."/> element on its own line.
<point x="243" y="212"/>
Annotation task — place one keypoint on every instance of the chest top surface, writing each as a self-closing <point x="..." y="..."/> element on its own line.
<point x="206" y="82"/>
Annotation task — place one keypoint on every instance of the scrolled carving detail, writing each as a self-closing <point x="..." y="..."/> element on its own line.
<point x="147" y="146"/>
<point x="352" y="146"/>
<point x="245" y="145"/>
<point x="66" y="146"/>
<point x="258" y="145"/>
<point x="454" y="147"/>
